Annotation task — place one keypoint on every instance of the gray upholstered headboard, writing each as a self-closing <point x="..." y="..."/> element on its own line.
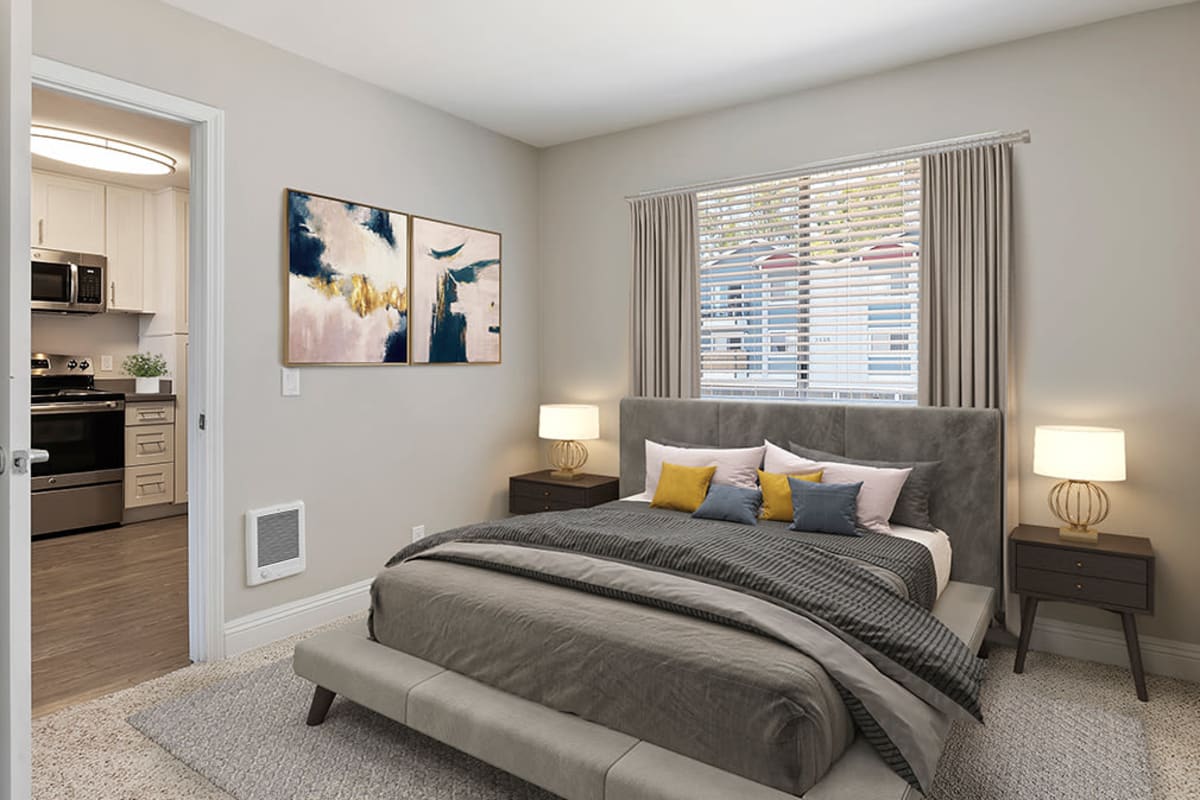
<point x="967" y="502"/>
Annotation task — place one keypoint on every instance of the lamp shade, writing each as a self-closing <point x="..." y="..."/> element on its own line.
<point x="566" y="421"/>
<point x="1079" y="453"/>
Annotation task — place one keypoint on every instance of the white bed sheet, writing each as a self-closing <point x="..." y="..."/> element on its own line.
<point x="935" y="541"/>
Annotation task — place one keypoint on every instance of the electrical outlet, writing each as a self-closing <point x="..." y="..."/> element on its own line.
<point x="289" y="381"/>
<point x="106" y="363"/>
<point x="418" y="533"/>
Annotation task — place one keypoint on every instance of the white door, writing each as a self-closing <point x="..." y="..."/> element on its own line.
<point x="14" y="398"/>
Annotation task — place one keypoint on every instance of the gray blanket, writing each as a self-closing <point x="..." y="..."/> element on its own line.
<point x="812" y="577"/>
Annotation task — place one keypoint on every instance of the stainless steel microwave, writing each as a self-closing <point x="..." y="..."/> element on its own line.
<point x="68" y="282"/>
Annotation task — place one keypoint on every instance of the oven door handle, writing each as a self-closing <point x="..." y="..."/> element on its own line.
<point x="86" y="407"/>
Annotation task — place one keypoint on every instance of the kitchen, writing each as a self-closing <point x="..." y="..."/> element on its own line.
<point x="109" y="228"/>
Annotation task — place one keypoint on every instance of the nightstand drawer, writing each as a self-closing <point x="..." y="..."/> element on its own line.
<point x="571" y="496"/>
<point x="1086" y="589"/>
<point x="521" y="504"/>
<point x="1096" y="565"/>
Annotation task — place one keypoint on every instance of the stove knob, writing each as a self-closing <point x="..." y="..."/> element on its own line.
<point x="72" y="364"/>
<point x="84" y="365"/>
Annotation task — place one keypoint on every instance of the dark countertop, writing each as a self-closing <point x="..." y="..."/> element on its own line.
<point x="126" y="385"/>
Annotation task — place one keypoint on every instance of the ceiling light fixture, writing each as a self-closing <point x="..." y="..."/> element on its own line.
<point x="98" y="152"/>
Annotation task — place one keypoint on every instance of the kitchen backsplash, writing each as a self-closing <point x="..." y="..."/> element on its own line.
<point x="94" y="336"/>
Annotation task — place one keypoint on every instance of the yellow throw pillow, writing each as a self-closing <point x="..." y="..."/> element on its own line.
<point x="682" y="488"/>
<point x="777" y="493"/>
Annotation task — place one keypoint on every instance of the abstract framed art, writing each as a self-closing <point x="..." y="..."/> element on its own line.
<point x="347" y="293"/>
<point x="455" y="308"/>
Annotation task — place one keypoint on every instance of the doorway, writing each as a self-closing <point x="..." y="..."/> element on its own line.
<point x="192" y="349"/>
<point x="109" y="560"/>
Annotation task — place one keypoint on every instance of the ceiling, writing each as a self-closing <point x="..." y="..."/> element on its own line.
<point x="552" y="71"/>
<point x="67" y="111"/>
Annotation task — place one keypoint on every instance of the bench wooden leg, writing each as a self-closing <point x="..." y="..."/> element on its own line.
<point x="322" y="699"/>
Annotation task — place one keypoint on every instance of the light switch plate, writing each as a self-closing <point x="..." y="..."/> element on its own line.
<point x="106" y="363"/>
<point x="418" y="533"/>
<point x="289" y="379"/>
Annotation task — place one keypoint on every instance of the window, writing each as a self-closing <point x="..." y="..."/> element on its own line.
<point x="808" y="286"/>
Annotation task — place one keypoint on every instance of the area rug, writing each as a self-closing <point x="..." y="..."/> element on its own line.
<point x="247" y="736"/>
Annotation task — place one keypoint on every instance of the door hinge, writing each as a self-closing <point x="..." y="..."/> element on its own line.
<point x="202" y="422"/>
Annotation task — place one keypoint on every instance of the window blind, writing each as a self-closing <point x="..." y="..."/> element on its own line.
<point x="808" y="286"/>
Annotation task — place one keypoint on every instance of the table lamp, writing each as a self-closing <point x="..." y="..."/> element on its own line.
<point x="568" y="423"/>
<point x="1079" y="455"/>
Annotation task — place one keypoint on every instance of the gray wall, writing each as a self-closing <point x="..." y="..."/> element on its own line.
<point x="1107" y="198"/>
<point x="372" y="451"/>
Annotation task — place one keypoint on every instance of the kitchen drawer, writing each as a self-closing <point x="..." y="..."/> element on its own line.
<point x="1078" y="562"/>
<point x="1082" y="588"/>
<point x="149" y="486"/>
<point x="158" y="412"/>
<point x="149" y="444"/>
<point x="572" y="496"/>
<point x="522" y="504"/>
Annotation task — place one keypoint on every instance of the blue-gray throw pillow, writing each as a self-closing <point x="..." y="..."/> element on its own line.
<point x="731" y="504"/>
<point x="825" y="507"/>
<point x="916" y="497"/>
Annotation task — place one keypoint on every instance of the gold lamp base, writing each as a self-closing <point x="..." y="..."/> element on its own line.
<point x="567" y="456"/>
<point x="1090" y="535"/>
<point x="1080" y="504"/>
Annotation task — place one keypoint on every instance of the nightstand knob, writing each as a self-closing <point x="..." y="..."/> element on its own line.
<point x="1079" y="587"/>
<point x="1078" y="565"/>
<point x="546" y="494"/>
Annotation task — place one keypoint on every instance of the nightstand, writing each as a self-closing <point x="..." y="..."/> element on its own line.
<point x="538" y="491"/>
<point x="1116" y="574"/>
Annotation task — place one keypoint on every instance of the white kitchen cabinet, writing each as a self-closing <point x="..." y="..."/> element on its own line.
<point x="67" y="213"/>
<point x="181" y="419"/>
<point x="126" y="224"/>
<point x="167" y="216"/>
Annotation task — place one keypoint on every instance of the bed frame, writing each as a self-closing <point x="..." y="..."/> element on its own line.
<point x="580" y="760"/>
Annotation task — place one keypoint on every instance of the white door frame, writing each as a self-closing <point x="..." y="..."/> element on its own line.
<point x="206" y="263"/>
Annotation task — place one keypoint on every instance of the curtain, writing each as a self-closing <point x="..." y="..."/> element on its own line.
<point x="966" y="225"/>
<point x="666" y="297"/>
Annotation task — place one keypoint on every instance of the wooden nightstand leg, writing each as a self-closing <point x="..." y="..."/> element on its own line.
<point x="1028" y="613"/>
<point x="1135" y="654"/>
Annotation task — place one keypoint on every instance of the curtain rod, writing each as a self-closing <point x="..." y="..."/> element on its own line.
<point x="895" y="154"/>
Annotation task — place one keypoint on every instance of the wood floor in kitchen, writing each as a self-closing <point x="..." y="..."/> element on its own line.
<point x="110" y="610"/>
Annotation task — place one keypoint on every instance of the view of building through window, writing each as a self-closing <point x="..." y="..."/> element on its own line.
<point x="808" y="286"/>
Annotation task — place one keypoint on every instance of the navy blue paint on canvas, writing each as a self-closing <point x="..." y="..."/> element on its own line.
<point x="305" y="250"/>
<point x="395" y="350"/>
<point x="470" y="273"/>
<point x="440" y="254"/>
<point x="379" y="222"/>
<point x="447" y="329"/>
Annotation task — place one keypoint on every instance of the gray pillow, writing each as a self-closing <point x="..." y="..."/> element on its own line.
<point x="825" y="507"/>
<point x="731" y="504"/>
<point x="912" y="506"/>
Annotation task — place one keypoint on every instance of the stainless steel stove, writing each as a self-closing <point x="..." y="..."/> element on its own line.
<point x="83" y="429"/>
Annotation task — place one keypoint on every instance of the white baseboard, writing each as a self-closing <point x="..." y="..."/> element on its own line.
<point x="272" y="624"/>
<point x="1087" y="642"/>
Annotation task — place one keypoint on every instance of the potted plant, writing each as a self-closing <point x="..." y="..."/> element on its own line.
<point x="146" y="369"/>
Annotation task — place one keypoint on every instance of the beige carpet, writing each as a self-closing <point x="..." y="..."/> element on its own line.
<point x="90" y="751"/>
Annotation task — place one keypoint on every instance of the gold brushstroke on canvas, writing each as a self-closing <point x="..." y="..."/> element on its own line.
<point x="362" y="297"/>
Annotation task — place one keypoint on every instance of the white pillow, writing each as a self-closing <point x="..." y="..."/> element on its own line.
<point x="880" y="485"/>
<point x="736" y="466"/>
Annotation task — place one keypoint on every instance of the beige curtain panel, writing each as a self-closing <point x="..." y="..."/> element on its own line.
<point x="966" y="229"/>
<point x="666" y="297"/>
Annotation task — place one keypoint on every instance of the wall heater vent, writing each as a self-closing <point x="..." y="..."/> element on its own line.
<point x="274" y="542"/>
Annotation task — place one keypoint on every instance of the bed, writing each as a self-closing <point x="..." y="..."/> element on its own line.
<point x="542" y="646"/>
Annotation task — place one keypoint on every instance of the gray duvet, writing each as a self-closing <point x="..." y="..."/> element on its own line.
<point x="753" y="650"/>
